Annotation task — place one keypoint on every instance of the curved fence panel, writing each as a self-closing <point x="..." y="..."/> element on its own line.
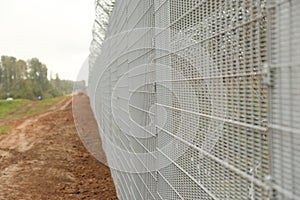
<point x="200" y="99"/>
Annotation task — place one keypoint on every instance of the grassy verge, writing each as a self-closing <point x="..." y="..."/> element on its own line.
<point x="7" y="107"/>
<point x="44" y="105"/>
<point x="20" y="108"/>
<point x="5" y="129"/>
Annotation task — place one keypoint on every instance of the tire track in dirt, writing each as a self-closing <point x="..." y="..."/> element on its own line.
<point x="43" y="158"/>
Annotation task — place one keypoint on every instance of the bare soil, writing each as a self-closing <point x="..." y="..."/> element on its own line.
<point x="44" y="158"/>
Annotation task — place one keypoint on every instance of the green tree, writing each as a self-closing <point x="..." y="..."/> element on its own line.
<point x="38" y="76"/>
<point x="8" y="75"/>
<point x="20" y="79"/>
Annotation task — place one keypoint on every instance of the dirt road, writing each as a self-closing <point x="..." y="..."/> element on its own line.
<point x="43" y="158"/>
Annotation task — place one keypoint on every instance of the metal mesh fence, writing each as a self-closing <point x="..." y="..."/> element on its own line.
<point x="199" y="99"/>
<point x="285" y="98"/>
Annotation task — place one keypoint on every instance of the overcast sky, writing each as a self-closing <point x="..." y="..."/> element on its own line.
<point x="58" y="32"/>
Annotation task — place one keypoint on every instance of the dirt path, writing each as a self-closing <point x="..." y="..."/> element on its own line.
<point x="43" y="158"/>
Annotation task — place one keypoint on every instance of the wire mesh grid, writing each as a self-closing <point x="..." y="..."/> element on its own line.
<point x="200" y="99"/>
<point x="285" y="99"/>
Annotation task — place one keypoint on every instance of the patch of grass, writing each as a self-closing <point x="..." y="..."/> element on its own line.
<point x="44" y="105"/>
<point x="16" y="109"/>
<point x="7" y="107"/>
<point x="19" y="108"/>
<point x="5" y="129"/>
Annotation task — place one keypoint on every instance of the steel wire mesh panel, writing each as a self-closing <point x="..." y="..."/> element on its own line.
<point x="285" y="98"/>
<point x="216" y="53"/>
<point x="200" y="99"/>
<point x="122" y="94"/>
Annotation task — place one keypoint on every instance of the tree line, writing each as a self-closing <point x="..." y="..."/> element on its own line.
<point x="29" y="79"/>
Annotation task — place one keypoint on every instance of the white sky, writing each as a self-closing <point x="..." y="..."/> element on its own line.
<point x="57" y="32"/>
